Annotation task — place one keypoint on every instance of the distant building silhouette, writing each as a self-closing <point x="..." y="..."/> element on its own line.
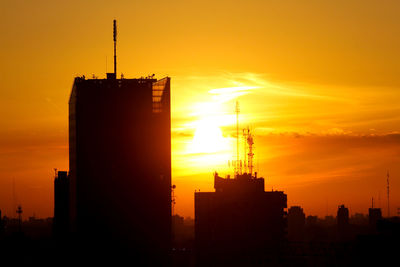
<point x="183" y="232"/>
<point x="120" y="164"/>
<point x="61" y="204"/>
<point x="1" y="226"/>
<point x="343" y="222"/>
<point x="374" y="215"/>
<point x="342" y="216"/>
<point x="358" y="219"/>
<point x="330" y="220"/>
<point x="296" y="223"/>
<point x="311" y="220"/>
<point x="239" y="218"/>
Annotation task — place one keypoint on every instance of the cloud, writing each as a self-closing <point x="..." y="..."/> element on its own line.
<point x="222" y="95"/>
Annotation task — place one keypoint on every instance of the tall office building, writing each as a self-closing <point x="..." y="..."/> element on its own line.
<point x="120" y="163"/>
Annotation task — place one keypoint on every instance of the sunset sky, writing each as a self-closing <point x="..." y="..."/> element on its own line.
<point x="318" y="84"/>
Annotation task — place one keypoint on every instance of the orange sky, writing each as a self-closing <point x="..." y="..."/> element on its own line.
<point x="318" y="83"/>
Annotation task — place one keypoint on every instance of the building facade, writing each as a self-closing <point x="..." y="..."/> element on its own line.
<point x="239" y="218"/>
<point x="120" y="162"/>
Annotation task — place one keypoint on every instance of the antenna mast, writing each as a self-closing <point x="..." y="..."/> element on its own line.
<point x="115" y="47"/>
<point x="250" y="142"/>
<point x="237" y="110"/>
<point x="244" y="151"/>
<point x="388" y="194"/>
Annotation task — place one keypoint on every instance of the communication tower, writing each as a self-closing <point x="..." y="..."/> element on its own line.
<point x="115" y="46"/>
<point x="250" y="143"/>
<point x="245" y="151"/>
<point x="237" y="165"/>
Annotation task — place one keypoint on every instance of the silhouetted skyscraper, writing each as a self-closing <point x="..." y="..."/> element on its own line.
<point x="239" y="218"/>
<point x="120" y="163"/>
<point x="342" y="216"/>
<point x="343" y="222"/>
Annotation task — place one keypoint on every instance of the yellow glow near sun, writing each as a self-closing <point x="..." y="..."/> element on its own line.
<point x="208" y="138"/>
<point x="209" y="150"/>
<point x="211" y="143"/>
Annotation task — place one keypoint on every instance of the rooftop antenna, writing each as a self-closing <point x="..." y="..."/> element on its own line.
<point x="244" y="151"/>
<point x="115" y="47"/>
<point x="237" y="110"/>
<point x="250" y="155"/>
<point x="388" y="211"/>
<point x="372" y="202"/>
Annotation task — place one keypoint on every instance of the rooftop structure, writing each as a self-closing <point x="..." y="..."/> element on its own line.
<point x="238" y="217"/>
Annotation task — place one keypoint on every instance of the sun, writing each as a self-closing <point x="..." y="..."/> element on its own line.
<point x="208" y="138"/>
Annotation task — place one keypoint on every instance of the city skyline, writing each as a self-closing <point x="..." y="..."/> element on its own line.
<point x="321" y="98"/>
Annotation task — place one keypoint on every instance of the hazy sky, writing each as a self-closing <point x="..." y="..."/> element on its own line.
<point x="318" y="83"/>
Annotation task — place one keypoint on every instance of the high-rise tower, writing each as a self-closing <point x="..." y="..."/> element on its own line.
<point x="120" y="162"/>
